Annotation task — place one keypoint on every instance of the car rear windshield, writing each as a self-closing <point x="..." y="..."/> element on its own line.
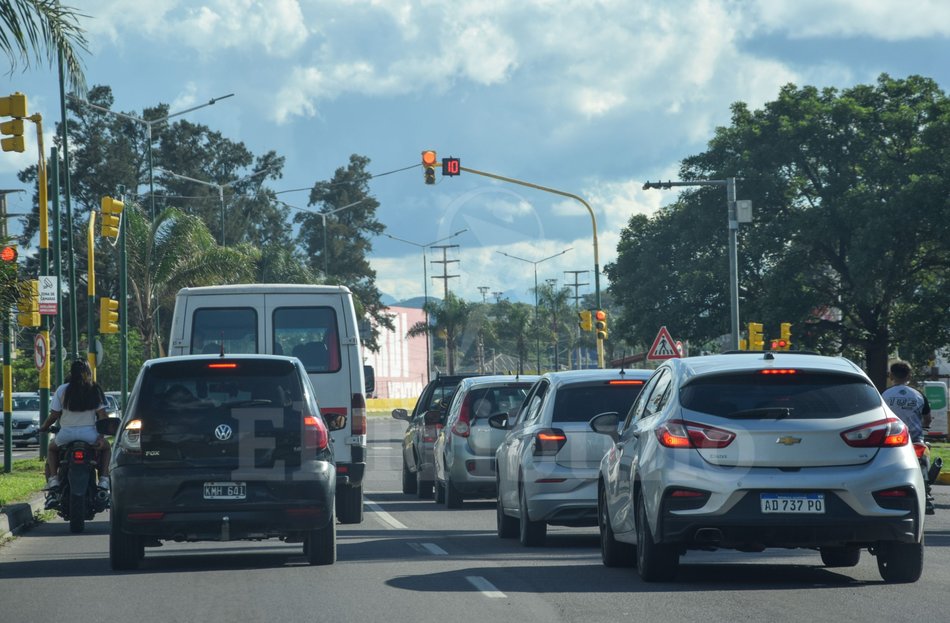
<point x="213" y="384"/>
<point x="801" y="395"/>
<point x="579" y="403"/>
<point x="487" y="401"/>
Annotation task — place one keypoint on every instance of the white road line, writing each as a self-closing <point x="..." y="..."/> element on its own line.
<point x="435" y="549"/>
<point x="385" y="517"/>
<point x="485" y="587"/>
<point x="375" y="448"/>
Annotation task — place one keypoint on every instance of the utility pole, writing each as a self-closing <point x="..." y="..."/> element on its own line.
<point x="484" y="290"/>
<point x="577" y="297"/>
<point x="497" y="296"/>
<point x="445" y="261"/>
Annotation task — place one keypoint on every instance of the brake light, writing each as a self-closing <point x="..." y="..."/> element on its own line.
<point x="779" y="371"/>
<point x="549" y="441"/>
<point x="461" y="426"/>
<point x="683" y="434"/>
<point x="79" y="456"/>
<point x="229" y="366"/>
<point x="131" y="438"/>
<point x="626" y="382"/>
<point x="920" y="449"/>
<point x="887" y="433"/>
<point x="898" y="498"/>
<point x="315" y="434"/>
<point x="358" y="414"/>
<point x="687" y="493"/>
<point x="154" y="516"/>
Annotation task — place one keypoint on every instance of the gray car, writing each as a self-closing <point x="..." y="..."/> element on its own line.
<point x="464" y="450"/>
<point x="749" y="451"/>
<point x="548" y="463"/>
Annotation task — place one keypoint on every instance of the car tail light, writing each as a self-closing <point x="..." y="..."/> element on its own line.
<point x="549" y="441"/>
<point x="779" y="371"/>
<point x="461" y="426"/>
<point x="358" y="414"/>
<point x="131" y="439"/>
<point x="226" y="366"/>
<point x="890" y="432"/>
<point x="79" y="456"/>
<point x="626" y="382"/>
<point x="680" y="499"/>
<point x="683" y="434"/>
<point x="920" y="449"/>
<point x="897" y="498"/>
<point x="315" y="434"/>
<point x="153" y="516"/>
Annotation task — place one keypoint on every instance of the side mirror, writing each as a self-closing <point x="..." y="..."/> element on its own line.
<point x="108" y="426"/>
<point x="606" y="424"/>
<point x="499" y="421"/>
<point x="335" y="421"/>
<point x="433" y="417"/>
<point x="401" y="414"/>
<point x="369" y="380"/>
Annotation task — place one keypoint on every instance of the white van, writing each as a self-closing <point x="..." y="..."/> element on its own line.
<point x="316" y="324"/>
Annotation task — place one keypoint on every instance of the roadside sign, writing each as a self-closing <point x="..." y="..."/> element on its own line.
<point x="40" y="351"/>
<point x="936" y="393"/>
<point x="49" y="303"/>
<point x="664" y="347"/>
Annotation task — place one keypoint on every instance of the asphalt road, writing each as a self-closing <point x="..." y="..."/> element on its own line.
<point x="411" y="560"/>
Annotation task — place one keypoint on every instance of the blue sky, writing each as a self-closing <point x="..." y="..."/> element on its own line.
<point x="590" y="97"/>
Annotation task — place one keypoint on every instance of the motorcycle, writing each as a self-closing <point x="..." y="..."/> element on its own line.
<point x="78" y="497"/>
<point x="929" y="469"/>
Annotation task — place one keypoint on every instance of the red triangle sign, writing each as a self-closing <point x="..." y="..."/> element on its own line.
<point x="664" y="347"/>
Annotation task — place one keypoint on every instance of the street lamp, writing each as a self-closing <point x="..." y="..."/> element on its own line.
<point x="220" y="188"/>
<point x="323" y="218"/>
<point x="536" y="313"/>
<point x="425" y="284"/>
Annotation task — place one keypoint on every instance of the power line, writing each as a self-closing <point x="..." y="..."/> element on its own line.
<point x="363" y="179"/>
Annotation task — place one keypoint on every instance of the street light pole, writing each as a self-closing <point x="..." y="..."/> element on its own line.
<point x="425" y="285"/>
<point x="537" y="317"/>
<point x="323" y="218"/>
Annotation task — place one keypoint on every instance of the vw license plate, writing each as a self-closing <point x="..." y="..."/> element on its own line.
<point x="225" y="490"/>
<point x="797" y="503"/>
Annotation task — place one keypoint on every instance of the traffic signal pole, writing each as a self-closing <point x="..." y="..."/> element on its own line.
<point x="42" y="270"/>
<point x="91" y="293"/>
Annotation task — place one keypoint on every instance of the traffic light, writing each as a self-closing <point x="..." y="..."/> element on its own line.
<point x="111" y="216"/>
<point x="586" y="320"/>
<point x="13" y="106"/>
<point x="28" y="303"/>
<point x="600" y="324"/>
<point x="428" y="165"/>
<point x="786" y="335"/>
<point x="108" y="315"/>
<point x="451" y="166"/>
<point x="756" y="341"/>
<point x="9" y="254"/>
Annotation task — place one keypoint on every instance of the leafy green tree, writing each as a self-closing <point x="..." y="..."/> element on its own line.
<point x="28" y="27"/>
<point x="447" y="322"/>
<point x="556" y="316"/>
<point x="109" y="370"/>
<point x="851" y="238"/>
<point x="513" y="326"/>
<point x="347" y="236"/>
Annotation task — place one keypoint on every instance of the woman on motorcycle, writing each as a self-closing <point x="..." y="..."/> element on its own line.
<point x="77" y="405"/>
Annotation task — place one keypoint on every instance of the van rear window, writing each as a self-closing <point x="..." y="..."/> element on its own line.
<point x="309" y="334"/>
<point x="235" y="328"/>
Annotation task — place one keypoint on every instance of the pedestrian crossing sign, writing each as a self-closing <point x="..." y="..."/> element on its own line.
<point x="664" y="347"/>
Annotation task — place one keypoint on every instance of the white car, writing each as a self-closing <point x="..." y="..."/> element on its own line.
<point x="749" y="451"/>
<point x="548" y="463"/>
<point x="25" y="420"/>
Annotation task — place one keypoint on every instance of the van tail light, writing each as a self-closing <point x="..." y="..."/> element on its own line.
<point x="462" y="426"/>
<point x="887" y="433"/>
<point x="358" y="414"/>
<point x="549" y="441"/>
<point x="684" y="434"/>
<point x="131" y="438"/>
<point x="315" y="434"/>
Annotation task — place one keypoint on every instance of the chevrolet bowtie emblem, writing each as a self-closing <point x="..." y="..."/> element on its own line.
<point x="788" y="440"/>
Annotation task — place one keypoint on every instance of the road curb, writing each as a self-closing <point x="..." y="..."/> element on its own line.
<point x="16" y="517"/>
<point x="943" y="478"/>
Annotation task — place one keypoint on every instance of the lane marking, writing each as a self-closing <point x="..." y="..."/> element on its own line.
<point x="374" y="447"/>
<point x="485" y="587"/>
<point x="385" y="517"/>
<point x="434" y="549"/>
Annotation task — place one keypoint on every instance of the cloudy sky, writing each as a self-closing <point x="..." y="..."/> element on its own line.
<point x="592" y="97"/>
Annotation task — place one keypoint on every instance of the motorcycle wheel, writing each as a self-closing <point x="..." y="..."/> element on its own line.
<point x="77" y="513"/>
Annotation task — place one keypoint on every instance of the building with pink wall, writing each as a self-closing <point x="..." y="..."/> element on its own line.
<point x="400" y="364"/>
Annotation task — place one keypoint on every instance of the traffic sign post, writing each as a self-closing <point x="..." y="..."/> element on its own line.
<point x="664" y="347"/>
<point x="40" y="351"/>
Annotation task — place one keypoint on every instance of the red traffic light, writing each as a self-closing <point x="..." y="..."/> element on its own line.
<point x="428" y="158"/>
<point x="9" y="254"/>
<point x="600" y="315"/>
<point x="776" y="344"/>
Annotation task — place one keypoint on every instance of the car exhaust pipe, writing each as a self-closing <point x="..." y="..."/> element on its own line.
<point x="102" y="495"/>
<point x="934" y="471"/>
<point x="708" y="535"/>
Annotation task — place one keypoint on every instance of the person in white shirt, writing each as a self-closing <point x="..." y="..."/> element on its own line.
<point x="906" y="402"/>
<point x="77" y="405"/>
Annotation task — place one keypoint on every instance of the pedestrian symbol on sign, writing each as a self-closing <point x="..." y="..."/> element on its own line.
<point x="664" y="347"/>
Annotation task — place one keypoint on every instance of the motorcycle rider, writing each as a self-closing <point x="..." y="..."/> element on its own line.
<point x="77" y="404"/>
<point x="910" y="406"/>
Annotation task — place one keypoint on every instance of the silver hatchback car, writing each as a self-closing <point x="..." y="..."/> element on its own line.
<point x="464" y="451"/>
<point x="549" y="460"/>
<point x="749" y="451"/>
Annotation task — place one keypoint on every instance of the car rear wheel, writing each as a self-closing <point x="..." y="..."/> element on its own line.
<point x="424" y="488"/>
<point x="506" y="525"/>
<point x="453" y="498"/>
<point x="613" y="553"/>
<point x="349" y="504"/>
<point x="320" y="545"/>
<point x="408" y="479"/>
<point x="900" y="562"/>
<point x="531" y="533"/>
<point x="655" y="562"/>
<point x="125" y="550"/>
<point x="438" y="492"/>
<point x="840" y="556"/>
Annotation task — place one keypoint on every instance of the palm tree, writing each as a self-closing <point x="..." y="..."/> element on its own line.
<point x="174" y="252"/>
<point x="29" y="26"/>
<point x="448" y="320"/>
<point x="554" y="302"/>
<point x="513" y="322"/>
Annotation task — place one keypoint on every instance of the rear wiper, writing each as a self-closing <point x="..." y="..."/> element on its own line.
<point x="762" y="412"/>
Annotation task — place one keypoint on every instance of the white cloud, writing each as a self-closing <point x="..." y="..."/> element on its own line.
<point x="889" y="20"/>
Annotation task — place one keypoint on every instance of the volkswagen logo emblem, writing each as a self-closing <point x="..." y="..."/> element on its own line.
<point x="223" y="432"/>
